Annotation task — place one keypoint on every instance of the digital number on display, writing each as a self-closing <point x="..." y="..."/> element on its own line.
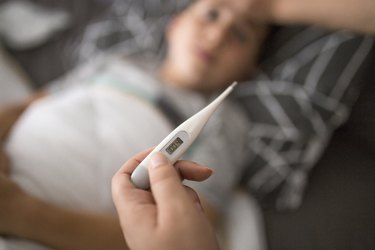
<point x="174" y="145"/>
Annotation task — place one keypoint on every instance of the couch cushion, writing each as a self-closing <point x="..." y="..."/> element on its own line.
<point x="338" y="210"/>
<point x="361" y="124"/>
<point x="309" y="81"/>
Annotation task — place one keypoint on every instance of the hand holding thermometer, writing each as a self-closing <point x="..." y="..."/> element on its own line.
<point x="179" y="140"/>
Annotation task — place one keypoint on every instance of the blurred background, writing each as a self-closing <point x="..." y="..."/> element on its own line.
<point x="48" y="38"/>
<point x="40" y="40"/>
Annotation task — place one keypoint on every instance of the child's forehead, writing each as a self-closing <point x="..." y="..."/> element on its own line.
<point x="238" y="7"/>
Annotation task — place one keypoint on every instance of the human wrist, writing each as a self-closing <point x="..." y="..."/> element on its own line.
<point x="284" y="12"/>
<point x="333" y="15"/>
<point x="278" y="11"/>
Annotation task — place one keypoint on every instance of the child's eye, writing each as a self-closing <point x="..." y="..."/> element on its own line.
<point x="239" y="34"/>
<point x="212" y="14"/>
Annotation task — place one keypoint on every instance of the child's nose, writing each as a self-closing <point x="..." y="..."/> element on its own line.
<point x="216" y="35"/>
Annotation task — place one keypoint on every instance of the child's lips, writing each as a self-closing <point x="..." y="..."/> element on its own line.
<point x="204" y="55"/>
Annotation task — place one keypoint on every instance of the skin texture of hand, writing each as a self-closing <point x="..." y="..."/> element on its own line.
<point x="170" y="216"/>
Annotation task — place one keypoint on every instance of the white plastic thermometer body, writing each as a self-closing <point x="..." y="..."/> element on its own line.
<point x="179" y="140"/>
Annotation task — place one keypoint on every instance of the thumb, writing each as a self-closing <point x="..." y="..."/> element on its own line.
<point x="166" y="185"/>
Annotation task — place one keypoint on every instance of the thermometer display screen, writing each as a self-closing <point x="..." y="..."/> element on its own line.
<point x="174" y="145"/>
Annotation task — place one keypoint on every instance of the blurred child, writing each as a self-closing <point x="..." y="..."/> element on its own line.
<point x="66" y="147"/>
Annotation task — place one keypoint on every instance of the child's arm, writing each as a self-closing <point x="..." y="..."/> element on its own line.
<point x="27" y="217"/>
<point x="337" y="14"/>
<point x="10" y="113"/>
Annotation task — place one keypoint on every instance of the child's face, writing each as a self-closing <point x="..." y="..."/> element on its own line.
<point x="211" y="44"/>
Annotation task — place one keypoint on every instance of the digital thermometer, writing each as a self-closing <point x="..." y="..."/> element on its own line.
<point x="179" y="140"/>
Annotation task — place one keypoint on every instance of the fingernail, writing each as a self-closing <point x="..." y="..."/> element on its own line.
<point x="202" y="166"/>
<point x="210" y="170"/>
<point x="157" y="160"/>
<point x="205" y="167"/>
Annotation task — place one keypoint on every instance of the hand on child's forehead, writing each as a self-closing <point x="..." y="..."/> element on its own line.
<point x="240" y="7"/>
<point x="241" y="10"/>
